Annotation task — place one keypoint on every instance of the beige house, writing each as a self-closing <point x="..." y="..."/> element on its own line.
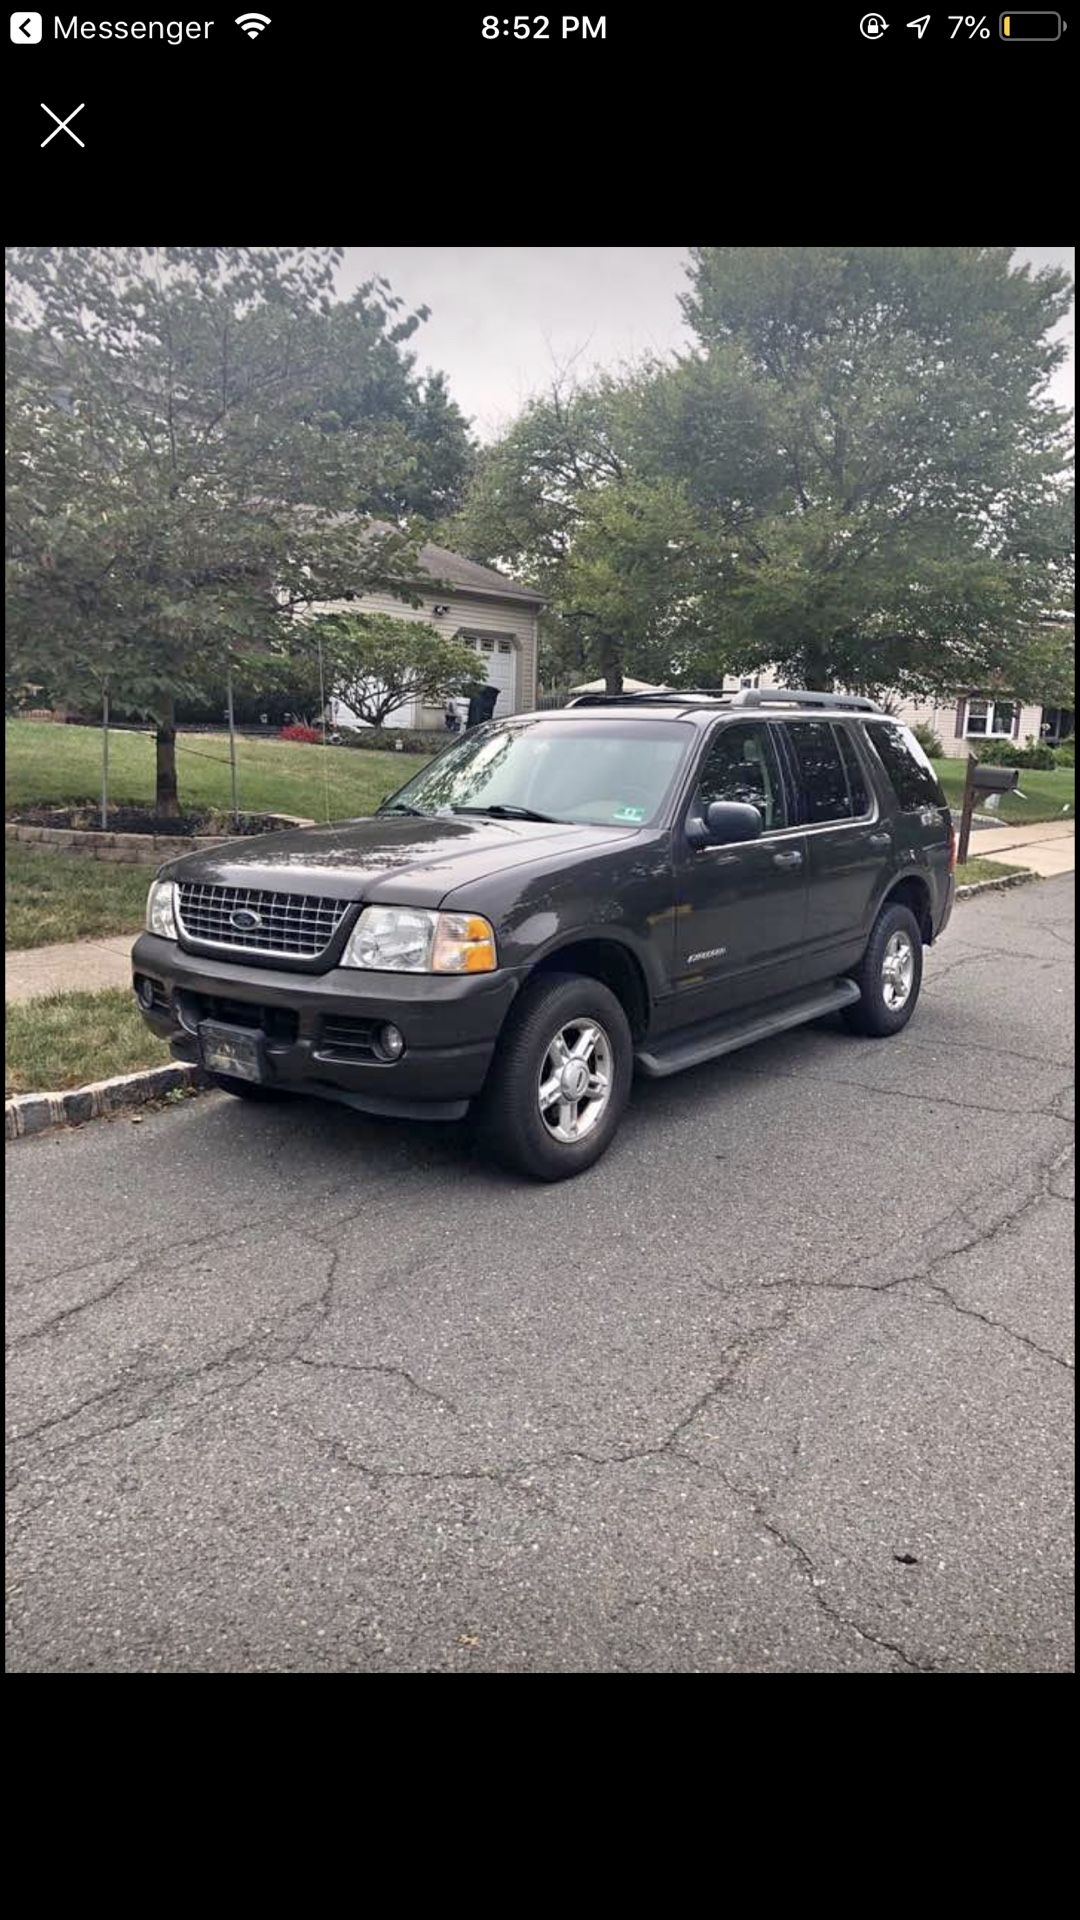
<point x="486" y="610"/>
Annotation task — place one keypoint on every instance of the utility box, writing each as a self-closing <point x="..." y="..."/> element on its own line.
<point x="986" y="779"/>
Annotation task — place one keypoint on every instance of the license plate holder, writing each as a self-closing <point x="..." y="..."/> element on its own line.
<point x="239" y="1052"/>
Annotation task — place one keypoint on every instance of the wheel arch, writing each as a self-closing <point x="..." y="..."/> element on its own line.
<point x="599" y="957"/>
<point x="912" y="890"/>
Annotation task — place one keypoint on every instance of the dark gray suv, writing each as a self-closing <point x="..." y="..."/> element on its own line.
<point x="557" y="899"/>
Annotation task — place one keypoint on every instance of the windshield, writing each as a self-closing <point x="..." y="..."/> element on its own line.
<point x="608" y="773"/>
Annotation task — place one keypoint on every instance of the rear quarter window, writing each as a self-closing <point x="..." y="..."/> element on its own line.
<point x="911" y="775"/>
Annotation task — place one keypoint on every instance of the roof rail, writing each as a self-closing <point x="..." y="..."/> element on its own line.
<point x="801" y="697"/>
<point x="684" y="696"/>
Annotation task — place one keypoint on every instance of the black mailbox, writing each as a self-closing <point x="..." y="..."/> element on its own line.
<point x="986" y="779"/>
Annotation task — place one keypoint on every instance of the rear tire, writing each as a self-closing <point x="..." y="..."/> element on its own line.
<point x="244" y="1089"/>
<point x="560" y="1080"/>
<point x="889" y="975"/>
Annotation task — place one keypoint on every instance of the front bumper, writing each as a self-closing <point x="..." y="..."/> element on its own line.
<point x="450" y="1023"/>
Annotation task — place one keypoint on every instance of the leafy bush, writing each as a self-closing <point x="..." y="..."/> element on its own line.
<point x="309" y="736"/>
<point x="930" y="742"/>
<point x="396" y="739"/>
<point x="1003" y="753"/>
<point x="1065" y="754"/>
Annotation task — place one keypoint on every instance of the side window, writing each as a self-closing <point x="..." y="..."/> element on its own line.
<point x="860" y="797"/>
<point x="741" y="765"/>
<point x="911" y="775"/>
<point x="821" y="770"/>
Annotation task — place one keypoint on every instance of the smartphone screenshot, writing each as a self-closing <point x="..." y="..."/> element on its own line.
<point x="540" y="840"/>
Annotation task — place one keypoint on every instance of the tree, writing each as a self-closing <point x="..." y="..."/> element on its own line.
<point x="426" y="448"/>
<point x="376" y="664"/>
<point x="854" y="476"/>
<point x="539" y="503"/>
<point x="180" y="486"/>
<point x="909" y="531"/>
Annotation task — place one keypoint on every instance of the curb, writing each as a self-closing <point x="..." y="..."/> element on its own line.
<point x="996" y="886"/>
<point x="35" y="1112"/>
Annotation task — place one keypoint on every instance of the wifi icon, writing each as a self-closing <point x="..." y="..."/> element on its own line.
<point x="252" y="23"/>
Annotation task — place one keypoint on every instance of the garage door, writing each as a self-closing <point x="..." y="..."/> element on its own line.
<point x="498" y="667"/>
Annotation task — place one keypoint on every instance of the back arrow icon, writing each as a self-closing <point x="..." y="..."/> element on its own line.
<point x="920" y="25"/>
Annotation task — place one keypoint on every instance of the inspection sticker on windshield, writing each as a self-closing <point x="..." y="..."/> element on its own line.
<point x="630" y="816"/>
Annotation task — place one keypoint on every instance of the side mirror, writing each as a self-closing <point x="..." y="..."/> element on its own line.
<point x="725" y="822"/>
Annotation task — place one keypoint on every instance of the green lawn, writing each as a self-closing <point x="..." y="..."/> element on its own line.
<point x="1047" y="796"/>
<point x="58" y="896"/>
<point x="58" y="765"/>
<point x="69" y="1039"/>
<point x="973" y="871"/>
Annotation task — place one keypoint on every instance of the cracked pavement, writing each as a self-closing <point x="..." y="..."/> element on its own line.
<point x="783" y="1385"/>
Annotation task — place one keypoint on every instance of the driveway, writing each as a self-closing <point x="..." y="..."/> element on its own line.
<point x="784" y="1384"/>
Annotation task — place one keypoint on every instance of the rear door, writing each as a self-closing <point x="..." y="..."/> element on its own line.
<point x="921" y="821"/>
<point x="848" y="844"/>
<point x="740" y="909"/>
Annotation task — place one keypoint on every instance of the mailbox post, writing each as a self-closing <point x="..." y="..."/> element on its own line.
<point x="981" y="779"/>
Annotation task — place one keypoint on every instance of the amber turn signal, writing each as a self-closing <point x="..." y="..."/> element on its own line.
<point x="464" y="943"/>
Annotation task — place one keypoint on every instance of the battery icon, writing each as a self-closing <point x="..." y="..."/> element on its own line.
<point x="1030" y="26"/>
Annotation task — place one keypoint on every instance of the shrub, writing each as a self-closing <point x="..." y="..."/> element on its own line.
<point x="1065" y="754"/>
<point x="930" y="742"/>
<point x="310" y="736"/>
<point x="1003" y="753"/>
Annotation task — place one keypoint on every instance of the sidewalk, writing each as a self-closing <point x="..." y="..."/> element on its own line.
<point x="75" y="966"/>
<point x="1048" y="847"/>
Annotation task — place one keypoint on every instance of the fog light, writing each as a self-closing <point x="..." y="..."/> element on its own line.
<point x="145" y="992"/>
<point x="392" y="1042"/>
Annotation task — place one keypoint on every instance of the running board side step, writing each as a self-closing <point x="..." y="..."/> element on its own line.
<point x="731" y="1031"/>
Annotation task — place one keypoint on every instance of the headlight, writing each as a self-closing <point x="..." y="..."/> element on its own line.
<point x="161" y="909"/>
<point x="416" y="940"/>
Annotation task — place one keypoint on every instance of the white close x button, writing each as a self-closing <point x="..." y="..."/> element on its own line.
<point x="62" y="126"/>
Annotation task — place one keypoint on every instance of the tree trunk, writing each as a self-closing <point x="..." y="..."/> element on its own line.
<point x="611" y="664"/>
<point x="816" y="675"/>
<point x="166" y="797"/>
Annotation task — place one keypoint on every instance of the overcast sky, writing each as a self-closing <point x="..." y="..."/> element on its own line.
<point x="502" y="317"/>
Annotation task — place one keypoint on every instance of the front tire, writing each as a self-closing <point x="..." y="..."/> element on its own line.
<point x="560" y="1080"/>
<point x="889" y="975"/>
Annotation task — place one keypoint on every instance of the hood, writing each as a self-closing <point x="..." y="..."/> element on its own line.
<point x="411" y="863"/>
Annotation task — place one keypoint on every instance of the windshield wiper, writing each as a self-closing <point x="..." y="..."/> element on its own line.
<point x="402" y="806"/>
<point x="503" y="812"/>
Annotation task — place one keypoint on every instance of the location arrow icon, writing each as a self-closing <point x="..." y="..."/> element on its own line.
<point x="921" y="24"/>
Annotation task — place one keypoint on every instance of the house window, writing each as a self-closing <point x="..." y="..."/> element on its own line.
<point x="990" y="719"/>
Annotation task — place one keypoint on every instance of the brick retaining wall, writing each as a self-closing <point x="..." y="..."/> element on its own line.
<point x="130" y="849"/>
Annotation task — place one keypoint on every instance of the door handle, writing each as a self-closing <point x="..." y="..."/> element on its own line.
<point x="793" y="859"/>
<point x="879" y="839"/>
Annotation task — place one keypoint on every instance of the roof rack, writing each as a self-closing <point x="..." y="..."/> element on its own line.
<point x="747" y="697"/>
<point x="685" y="697"/>
<point x="800" y="697"/>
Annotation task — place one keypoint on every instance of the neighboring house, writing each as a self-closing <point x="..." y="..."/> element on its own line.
<point x="971" y="718"/>
<point x="486" y="610"/>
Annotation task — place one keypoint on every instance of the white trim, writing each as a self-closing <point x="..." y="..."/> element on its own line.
<point x="990" y="732"/>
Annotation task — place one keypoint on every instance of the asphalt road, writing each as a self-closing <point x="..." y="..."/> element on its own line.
<point x="784" y="1384"/>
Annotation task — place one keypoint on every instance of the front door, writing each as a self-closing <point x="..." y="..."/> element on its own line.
<point x="741" y="909"/>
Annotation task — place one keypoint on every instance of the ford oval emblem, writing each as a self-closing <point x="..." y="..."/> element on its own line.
<point x="245" y="920"/>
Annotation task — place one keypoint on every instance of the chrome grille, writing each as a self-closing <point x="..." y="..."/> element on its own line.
<point x="300" y="925"/>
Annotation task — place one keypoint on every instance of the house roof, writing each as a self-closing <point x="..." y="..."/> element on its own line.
<point x="453" y="570"/>
<point x="470" y="577"/>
